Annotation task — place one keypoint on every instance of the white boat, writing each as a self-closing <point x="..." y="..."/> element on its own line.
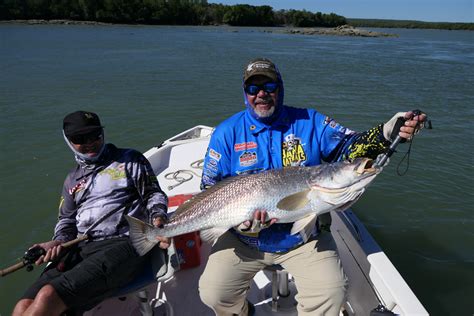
<point x="373" y="280"/>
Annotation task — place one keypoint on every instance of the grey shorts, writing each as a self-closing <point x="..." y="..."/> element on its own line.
<point x="91" y="272"/>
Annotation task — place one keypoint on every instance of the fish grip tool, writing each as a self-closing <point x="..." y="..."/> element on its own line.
<point x="382" y="160"/>
<point x="33" y="254"/>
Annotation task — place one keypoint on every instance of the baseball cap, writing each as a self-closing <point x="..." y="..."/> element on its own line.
<point x="261" y="66"/>
<point x="81" y="122"/>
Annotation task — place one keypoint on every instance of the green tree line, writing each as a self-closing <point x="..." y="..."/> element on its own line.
<point x="410" y="24"/>
<point x="170" y="12"/>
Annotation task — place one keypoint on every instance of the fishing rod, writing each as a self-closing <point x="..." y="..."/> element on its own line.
<point x="383" y="158"/>
<point x="33" y="254"/>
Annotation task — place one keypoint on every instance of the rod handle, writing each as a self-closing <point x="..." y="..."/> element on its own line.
<point x="22" y="264"/>
<point x="13" y="268"/>
<point x="74" y="241"/>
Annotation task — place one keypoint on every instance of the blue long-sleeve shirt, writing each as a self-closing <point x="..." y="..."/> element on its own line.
<point x="298" y="137"/>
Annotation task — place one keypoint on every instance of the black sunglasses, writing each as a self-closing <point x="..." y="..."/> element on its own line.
<point x="254" y="89"/>
<point x="86" y="138"/>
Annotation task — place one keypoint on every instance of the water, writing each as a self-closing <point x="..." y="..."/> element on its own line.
<point x="150" y="82"/>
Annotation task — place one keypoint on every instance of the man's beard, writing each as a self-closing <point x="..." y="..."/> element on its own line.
<point x="264" y="113"/>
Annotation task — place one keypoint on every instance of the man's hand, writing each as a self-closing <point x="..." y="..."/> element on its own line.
<point x="164" y="242"/>
<point x="254" y="226"/>
<point x="411" y="126"/>
<point x="53" y="249"/>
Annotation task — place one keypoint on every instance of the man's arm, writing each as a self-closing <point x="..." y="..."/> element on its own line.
<point x="149" y="190"/>
<point x="66" y="228"/>
<point x="368" y="144"/>
<point x="376" y="140"/>
<point x="217" y="162"/>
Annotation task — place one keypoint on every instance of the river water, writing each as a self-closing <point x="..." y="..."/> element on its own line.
<point x="150" y="82"/>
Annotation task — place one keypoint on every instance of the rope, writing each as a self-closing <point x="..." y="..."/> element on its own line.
<point x="407" y="164"/>
<point x="184" y="175"/>
<point x="426" y="124"/>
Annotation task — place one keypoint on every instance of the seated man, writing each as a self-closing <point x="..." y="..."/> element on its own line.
<point x="107" y="183"/>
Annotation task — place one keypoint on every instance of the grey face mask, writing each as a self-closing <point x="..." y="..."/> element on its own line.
<point x="83" y="159"/>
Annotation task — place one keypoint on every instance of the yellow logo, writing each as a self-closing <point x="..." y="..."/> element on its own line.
<point x="292" y="151"/>
<point x="115" y="174"/>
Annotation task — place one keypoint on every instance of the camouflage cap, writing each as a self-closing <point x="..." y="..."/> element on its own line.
<point x="261" y="66"/>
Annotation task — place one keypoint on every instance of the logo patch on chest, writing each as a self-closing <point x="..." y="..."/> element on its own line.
<point x="115" y="173"/>
<point x="293" y="153"/>
<point x="78" y="187"/>
<point x="248" y="158"/>
<point x="245" y="146"/>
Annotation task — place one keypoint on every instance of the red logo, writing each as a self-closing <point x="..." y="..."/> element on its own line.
<point x="245" y="146"/>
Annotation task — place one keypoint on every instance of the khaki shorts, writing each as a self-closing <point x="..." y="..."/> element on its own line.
<point x="315" y="266"/>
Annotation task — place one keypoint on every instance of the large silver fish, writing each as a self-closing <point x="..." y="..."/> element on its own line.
<point x="293" y="194"/>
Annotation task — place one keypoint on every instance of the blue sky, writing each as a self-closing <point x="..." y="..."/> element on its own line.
<point x="422" y="10"/>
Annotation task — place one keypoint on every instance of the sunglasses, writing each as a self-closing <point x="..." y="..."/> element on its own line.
<point x="254" y="89"/>
<point x="86" y="138"/>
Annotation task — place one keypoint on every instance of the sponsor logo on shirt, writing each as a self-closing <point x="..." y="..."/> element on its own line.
<point x="115" y="173"/>
<point x="345" y="131"/>
<point x="245" y="146"/>
<point x="293" y="153"/>
<point x="210" y="172"/>
<point x="248" y="158"/>
<point x="214" y="154"/>
<point x="78" y="187"/>
<point x="211" y="165"/>
<point x="332" y="123"/>
<point x="208" y="181"/>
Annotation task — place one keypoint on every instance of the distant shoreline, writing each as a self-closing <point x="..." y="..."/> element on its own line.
<point x="54" y="21"/>
<point x="344" y="30"/>
<point x="355" y="27"/>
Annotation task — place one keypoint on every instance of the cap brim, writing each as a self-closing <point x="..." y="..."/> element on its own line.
<point x="84" y="130"/>
<point x="273" y="77"/>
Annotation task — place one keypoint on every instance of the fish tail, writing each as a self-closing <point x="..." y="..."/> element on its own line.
<point x="139" y="232"/>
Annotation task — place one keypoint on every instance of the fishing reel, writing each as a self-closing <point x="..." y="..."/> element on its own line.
<point x="31" y="255"/>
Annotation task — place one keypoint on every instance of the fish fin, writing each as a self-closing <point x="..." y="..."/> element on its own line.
<point x="304" y="226"/>
<point x="294" y="201"/>
<point x="212" y="234"/>
<point x="138" y="235"/>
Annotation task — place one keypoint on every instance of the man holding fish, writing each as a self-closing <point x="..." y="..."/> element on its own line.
<point x="270" y="135"/>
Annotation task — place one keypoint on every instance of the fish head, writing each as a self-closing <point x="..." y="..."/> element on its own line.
<point x="342" y="183"/>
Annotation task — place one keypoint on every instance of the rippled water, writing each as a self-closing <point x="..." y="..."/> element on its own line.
<point x="150" y="82"/>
